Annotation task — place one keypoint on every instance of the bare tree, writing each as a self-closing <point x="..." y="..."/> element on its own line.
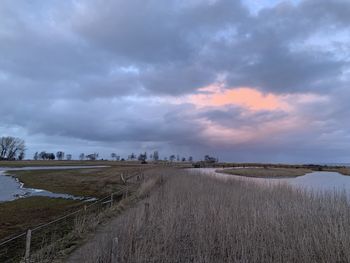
<point x="114" y="156"/>
<point x="46" y="156"/>
<point x="210" y="159"/>
<point x="92" y="157"/>
<point x="11" y="148"/>
<point x="60" y="155"/>
<point x="156" y="156"/>
<point x="42" y="155"/>
<point x="132" y="157"/>
<point x="68" y="157"/>
<point x="36" y="156"/>
<point x="172" y="158"/>
<point x="82" y="157"/>
<point x="142" y="157"/>
<point x="21" y="156"/>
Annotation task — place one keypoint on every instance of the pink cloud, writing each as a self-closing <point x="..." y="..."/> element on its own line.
<point x="245" y="97"/>
<point x="251" y="101"/>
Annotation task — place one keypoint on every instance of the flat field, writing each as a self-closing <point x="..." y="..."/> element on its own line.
<point x="267" y="172"/>
<point x="16" y="216"/>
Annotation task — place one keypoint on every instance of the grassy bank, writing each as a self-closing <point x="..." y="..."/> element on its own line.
<point x="16" y="216"/>
<point x="266" y="172"/>
<point x="203" y="219"/>
<point x="14" y="164"/>
<point x="343" y="170"/>
<point x="60" y="237"/>
<point x="79" y="182"/>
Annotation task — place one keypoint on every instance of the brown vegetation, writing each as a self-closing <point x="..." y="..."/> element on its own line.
<point x="266" y="172"/>
<point x="16" y="216"/>
<point x="94" y="182"/>
<point x="204" y="219"/>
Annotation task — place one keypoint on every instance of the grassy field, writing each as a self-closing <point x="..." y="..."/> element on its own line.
<point x="16" y="216"/>
<point x="204" y="219"/>
<point x="94" y="182"/>
<point x="19" y="215"/>
<point x="266" y="172"/>
<point x="55" y="163"/>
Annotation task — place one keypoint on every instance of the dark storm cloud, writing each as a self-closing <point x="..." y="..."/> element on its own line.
<point x="152" y="31"/>
<point x="117" y="71"/>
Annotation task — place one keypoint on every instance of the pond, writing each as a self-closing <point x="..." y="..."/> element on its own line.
<point x="314" y="181"/>
<point x="11" y="188"/>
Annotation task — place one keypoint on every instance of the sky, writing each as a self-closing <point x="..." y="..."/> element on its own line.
<point x="245" y="81"/>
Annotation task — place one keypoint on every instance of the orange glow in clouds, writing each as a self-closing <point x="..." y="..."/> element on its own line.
<point x="245" y="97"/>
<point x="251" y="101"/>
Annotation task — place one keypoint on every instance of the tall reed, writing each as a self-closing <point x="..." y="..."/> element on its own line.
<point x="196" y="218"/>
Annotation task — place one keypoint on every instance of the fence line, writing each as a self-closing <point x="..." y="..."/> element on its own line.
<point x="13" y="238"/>
<point x="34" y="229"/>
<point x="6" y="240"/>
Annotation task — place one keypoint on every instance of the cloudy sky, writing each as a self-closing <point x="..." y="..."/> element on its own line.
<point x="249" y="80"/>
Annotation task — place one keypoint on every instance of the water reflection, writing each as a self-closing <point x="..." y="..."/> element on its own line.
<point x="315" y="181"/>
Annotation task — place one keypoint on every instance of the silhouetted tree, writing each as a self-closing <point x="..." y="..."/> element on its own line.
<point x="210" y="159"/>
<point x="156" y="156"/>
<point x="92" y="157"/>
<point x="60" y="155"/>
<point x="21" y="156"/>
<point x="142" y="157"/>
<point x="82" y="156"/>
<point x="69" y="157"/>
<point x="11" y="148"/>
<point x="43" y="155"/>
<point x="132" y="157"/>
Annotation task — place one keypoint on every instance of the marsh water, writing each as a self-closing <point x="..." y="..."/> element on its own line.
<point x="11" y="188"/>
<point x="314" y="181"/>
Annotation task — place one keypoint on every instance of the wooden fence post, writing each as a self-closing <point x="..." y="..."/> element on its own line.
<point x="122" y="178"/>
<point x="28" y="241"/>
<point x="146" y="212"/>
<point x="125" y="194"/>
<point x="114" y="255"/>
<point x="112" y="197"/>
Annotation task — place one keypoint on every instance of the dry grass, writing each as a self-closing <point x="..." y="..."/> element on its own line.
<point x="16" y="216"/>
<point x="266" y="172"/>
<point x="202" y="219"/>
<point x="342" y="170"/>
<point x="84" y="223"/>
<point x="93" y="182"/>
<point x="39" y="163"/>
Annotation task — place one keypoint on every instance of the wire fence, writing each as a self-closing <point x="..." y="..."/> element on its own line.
<point x="43" y="240"/>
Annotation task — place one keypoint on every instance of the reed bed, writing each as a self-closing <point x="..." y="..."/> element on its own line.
<point x="197" y="218"/>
